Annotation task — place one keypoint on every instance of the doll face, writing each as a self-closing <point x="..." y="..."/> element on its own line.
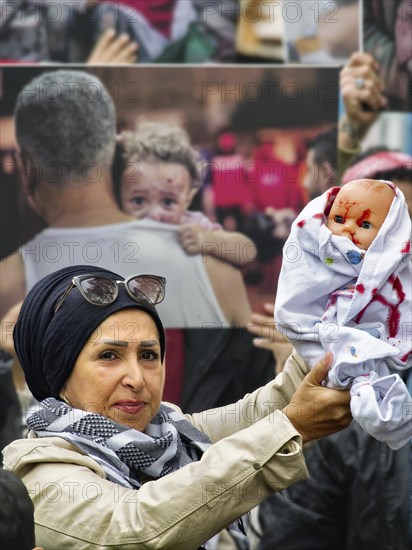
<point x="359" y="210"/>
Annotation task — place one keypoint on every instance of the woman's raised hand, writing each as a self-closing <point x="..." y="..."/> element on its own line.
<point x="316" y="411"/>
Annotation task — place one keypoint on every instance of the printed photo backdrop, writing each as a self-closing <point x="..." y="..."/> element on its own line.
<point x="251" y="127"/>
<point x="179" y="31"/>
<point x="321" y="32"/>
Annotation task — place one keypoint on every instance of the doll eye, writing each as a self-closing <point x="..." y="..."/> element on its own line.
<point x="338" y="219"/>
<point x="366" y="225"/>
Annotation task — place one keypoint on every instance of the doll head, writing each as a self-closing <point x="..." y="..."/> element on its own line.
<point x="162" y="172"/>
<point x="359" y="210"/>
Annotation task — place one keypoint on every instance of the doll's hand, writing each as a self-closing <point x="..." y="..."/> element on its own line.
<point x="192" y="238"/>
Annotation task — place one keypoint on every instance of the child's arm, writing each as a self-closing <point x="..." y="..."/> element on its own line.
<point x="228" y="246"/>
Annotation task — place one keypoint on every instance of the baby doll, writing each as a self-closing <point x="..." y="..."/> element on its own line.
<point x="159" y="181"/>
<point x="345" y="286"/>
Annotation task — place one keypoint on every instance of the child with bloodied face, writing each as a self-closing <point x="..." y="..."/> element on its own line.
<point x="160" y="175"/>
<point x="345" y="287"/>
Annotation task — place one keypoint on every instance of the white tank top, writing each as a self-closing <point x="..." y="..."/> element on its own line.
<point x="129" y="248"/>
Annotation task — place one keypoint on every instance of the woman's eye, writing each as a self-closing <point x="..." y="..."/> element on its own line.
<point x="338" y="219"/>
<point x="366" y="225"/>
<point x="149" y="355"/>
<point x="108" y="355"/>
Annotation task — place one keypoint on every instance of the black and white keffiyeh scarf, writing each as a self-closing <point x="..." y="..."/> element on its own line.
<point x="168" y="443"/>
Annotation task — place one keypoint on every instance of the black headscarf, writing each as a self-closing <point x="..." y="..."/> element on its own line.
<point x="48" y="344"/>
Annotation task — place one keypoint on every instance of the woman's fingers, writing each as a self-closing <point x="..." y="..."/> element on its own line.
<point x="317" y="411"/>
<point x="320" y="371"/>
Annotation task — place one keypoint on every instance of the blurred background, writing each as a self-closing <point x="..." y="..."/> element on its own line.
<point x="180" y="31"/>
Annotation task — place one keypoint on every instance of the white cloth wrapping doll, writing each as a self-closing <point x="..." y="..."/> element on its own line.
<point x="335" y="296"/>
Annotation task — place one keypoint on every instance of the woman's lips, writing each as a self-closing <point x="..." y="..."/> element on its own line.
<point x="130" y="407"/>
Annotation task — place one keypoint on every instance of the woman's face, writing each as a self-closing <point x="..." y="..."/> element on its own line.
<point x="158" y="190"/>
<point x="119" y="373"/>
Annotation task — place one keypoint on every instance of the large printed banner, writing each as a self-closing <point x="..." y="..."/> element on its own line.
<point x="182" y="31"/>
<point x="211" y="167"/>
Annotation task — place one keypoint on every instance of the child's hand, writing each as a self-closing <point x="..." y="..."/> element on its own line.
<point x="192" y="238"/>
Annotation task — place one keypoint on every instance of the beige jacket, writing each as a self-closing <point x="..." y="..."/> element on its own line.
<point x="256" y="451"/>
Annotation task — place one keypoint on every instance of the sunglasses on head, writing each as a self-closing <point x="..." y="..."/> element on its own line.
<point x="102" y="290"/>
